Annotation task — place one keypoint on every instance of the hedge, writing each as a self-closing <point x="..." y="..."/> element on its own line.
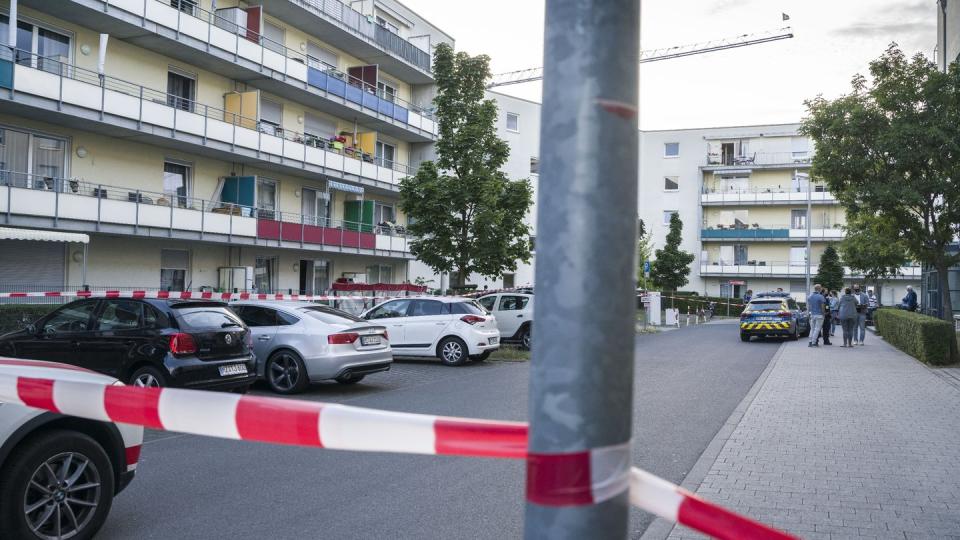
<point x="17" y="316"/>
<point x="932" y="341"/>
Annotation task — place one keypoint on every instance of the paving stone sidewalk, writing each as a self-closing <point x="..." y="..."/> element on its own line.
<point x="845" y="443"/>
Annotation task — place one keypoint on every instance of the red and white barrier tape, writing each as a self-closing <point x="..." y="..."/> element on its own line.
<point x="188" y="295"/>
<point x="574" y="479"/>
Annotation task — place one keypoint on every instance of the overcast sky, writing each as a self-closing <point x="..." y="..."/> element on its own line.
<point x="752" y="85"/>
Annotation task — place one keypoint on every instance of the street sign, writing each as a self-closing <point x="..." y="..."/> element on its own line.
<point x="646" y="267"/>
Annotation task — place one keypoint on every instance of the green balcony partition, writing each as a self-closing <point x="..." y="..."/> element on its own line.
<point x="358" y="216"/>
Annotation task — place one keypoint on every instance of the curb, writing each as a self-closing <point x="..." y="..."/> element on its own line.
<point x="661" y="528"/>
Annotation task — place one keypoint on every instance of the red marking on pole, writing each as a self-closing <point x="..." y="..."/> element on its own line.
<point x="138" y="294"/>
<point x="163" y="294"/>
<point x="480" y="439"/>
<point x="186" y="295"/>
<point x="36" y="393"/>
<point x="282" y="421"/>
<point x="18" y="295"/>
<point x="111" y="294"/>
<point x="133" y="405"/>
<point x="133" y="454"/>
<point x="83" y="294"/>
<point x="722" y="523"/>
<point x="52" y="293"/>
<point x="559" y="479"/>
<point x="619" y="108"/>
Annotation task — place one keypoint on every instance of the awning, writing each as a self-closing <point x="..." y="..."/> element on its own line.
<point x="734" y="172"/>
<point x="344" y="187"/>
<point x="7" y="233"/>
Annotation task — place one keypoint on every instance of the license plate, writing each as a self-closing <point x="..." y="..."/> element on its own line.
<point x="494" y="340"/>
<point x="767" y="319"/>
<point x="233" y="369"/>
<point x="369" y="340"/>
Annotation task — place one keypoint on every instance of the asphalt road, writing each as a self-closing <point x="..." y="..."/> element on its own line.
<point x="688" y="382"/>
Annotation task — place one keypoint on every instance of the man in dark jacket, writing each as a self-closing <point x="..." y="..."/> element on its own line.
<point x="909" y="301"/>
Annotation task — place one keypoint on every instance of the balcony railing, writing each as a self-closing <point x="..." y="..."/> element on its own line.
<point x="75" y="199"/>
<point x="358" y="23"/>
<point x="759" y="158"/>
<point x="756" y="231"/>
<point x="760" y="268"/>
<point x="765" y="195"/>
<point x="71" y="84"/>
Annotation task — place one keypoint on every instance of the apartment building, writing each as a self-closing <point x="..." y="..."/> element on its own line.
<point x="743" y="194"/>
<point x="212" y="143"/>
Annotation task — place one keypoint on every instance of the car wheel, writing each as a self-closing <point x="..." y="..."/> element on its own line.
<point x="482" y="356"/>
<point x="525" y="339"/>
<point x="286" y="373"/>
<point x="796" y="334"/>
<point x="452" y="351"/>
<point x="58" y="484"/>
<point x="744" y="336"/>
<point x="148" y="377"/>
<point x="350" y="379"/>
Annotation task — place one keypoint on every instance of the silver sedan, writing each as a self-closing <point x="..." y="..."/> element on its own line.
<point x="297" y="343"/>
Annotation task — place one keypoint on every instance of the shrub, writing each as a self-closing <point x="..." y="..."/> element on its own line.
<point x="928" y="339"/>
<point x="17" y="316"/>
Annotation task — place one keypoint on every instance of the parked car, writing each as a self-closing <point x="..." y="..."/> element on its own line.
<point x="514" y="313"/>
<point x="183" y="343"/>
<point x="773" y="314"/>
<point x="60" y="473"/>
<point x="452" y="328"/>
<point x="297" y="343"/>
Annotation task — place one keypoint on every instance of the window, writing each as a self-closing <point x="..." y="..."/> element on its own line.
<point x="271" y="117"/>
<point x="186" y="6"/>
<point x="798" y="255"/>
<point x="265" y="274"/>
<point x="386" y="90"/>
<point x="513" y="122"/>
<point x="315" y="207"/>
<point x="671" y="183"/>
<point x="37" y="46"/>
<point x="320" y="58"/>
<point x="513" y="303"/>
<point x="385" y="154"/>
<point x="72" y="318"/>
<point x="383" y="213"/>
<point x="469" y="307"/>
<point x="394" y="308"/>
<point x="24" y="154"/>
<point x="534" y="165"/>
<point x="798" y="219"/>
<point x="266" y="198"/>
<point x="667" y="214"/>
<point x="671" y="149"/>
<point x="508" y="280"/>
<point x="257" y="316"/>
<point x="176" y="182"/>
<point x="120" y="315"/>
<point x="173" y="269"/>
<point x="181" y="89"/>
<point x="388" y="25"/>
<point x="379" y="273"/>
<point x="275" y="38"/>
<point x="424" y="308"/>
<point x="487" y="302"/>
<point x="319" y="126"/>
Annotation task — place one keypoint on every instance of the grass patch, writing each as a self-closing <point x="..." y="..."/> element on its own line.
<point x="509" y="353"/>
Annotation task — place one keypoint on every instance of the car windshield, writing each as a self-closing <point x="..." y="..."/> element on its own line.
<point x="330" y="315"/>
<point x="769" y="305"/>
<point x="195" y="318"/>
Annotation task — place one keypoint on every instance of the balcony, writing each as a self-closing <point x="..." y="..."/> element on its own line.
<point x="774" y="233"/>
<point x="73" y="204"/>
<point x="759" y="160"/>
<point x="763" y="196"/>
<point x="214" y="43"/>
<point x="781" y="269"/>
<point x="72" y="96"/>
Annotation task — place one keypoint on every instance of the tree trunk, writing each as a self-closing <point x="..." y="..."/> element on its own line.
<point x="946" y="311"/>
<point x="461" y="276"/>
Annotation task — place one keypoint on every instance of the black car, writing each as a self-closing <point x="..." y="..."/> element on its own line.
<point x="181" y="343"/>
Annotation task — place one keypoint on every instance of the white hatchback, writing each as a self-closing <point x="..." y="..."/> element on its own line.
<point x="451" y="328"/>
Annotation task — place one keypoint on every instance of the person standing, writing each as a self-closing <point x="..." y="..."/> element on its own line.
<point x="747" y="297"/>
<point x="825" y="329"/>
<point x="847" y="311"/>
<point x="834" y="301"/>
<point x="863" y="303"/>
<point x="815" y="306"/>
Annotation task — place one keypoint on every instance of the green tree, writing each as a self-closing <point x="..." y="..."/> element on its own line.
<point x="867" y="248"/>
<point x="468" y="216"/>
<point x="830" y="271"/>
<point x="644" y="253"/>
<point x="891" y="149"/>
<point x="672" y="265"/>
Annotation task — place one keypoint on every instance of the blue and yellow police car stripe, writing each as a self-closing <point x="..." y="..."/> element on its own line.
<point x="765" y="326"/>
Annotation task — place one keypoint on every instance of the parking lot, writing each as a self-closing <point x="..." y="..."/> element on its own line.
<point x="688" y="382"/>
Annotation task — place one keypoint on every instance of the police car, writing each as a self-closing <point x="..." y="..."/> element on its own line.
<point x="773" y="314"/>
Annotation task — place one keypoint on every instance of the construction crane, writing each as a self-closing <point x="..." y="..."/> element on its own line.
<point x="666" y="53"/>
